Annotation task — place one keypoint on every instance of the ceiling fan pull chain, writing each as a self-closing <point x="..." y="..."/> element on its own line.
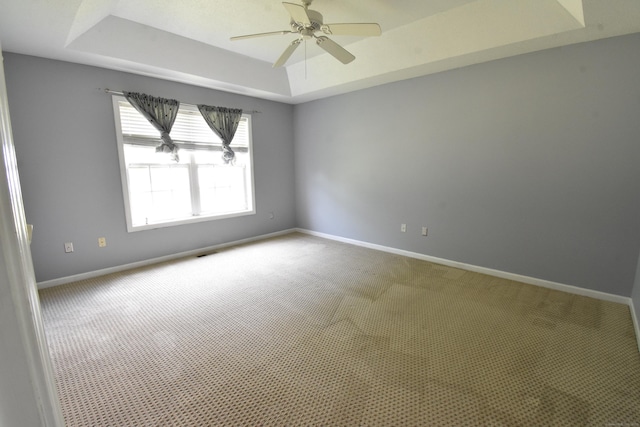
<point x="305" y="59"/>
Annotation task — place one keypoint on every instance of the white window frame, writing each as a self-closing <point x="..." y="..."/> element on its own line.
<point x="193" y="219"/>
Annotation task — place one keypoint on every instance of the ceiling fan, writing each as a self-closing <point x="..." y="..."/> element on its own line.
<point x="306" y="23"/>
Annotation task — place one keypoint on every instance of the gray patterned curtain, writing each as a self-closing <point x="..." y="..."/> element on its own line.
<point x="161" y="113"/>
<point x="224" y="123"/>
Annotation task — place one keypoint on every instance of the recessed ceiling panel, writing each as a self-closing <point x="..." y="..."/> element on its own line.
<point x="484" y="25"/>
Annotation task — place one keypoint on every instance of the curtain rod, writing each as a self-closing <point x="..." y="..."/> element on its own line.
<point x="115" y="92"/>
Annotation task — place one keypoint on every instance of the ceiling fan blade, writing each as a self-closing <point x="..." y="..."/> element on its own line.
<point x="298" y="13"/>
<point x="333" y="48"/>
<point x="287" y="53"/>
<point x="364" y="30"/>
<point x="250" y="36"/>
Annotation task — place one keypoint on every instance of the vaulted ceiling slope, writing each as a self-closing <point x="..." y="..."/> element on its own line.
<point x="188" y="40"/>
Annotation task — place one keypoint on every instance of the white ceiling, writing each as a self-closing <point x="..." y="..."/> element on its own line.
<point x="188" y="40"/>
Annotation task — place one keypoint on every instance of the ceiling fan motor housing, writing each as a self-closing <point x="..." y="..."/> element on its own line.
<point x="305" y="30"/>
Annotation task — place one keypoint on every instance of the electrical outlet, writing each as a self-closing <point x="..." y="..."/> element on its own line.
<point x="403" y="228"/>
<point x="68" y="247"/>
<point x="102" y="242"/>
<point x="425" y="231"/>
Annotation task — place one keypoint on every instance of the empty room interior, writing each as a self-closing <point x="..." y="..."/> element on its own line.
<point x="418" y="212"/>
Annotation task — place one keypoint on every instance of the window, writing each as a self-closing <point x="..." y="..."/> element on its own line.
<point x="160" y="192"/>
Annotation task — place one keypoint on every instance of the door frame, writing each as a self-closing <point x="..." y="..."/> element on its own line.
<point x="18" y="276"/>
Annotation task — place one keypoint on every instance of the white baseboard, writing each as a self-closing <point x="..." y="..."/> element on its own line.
<point x="469" y="267"/>
<point x="636" y="324"/>
<point x="496" y="273"/>
<point x="449" y="263"/>
<point x="118" y="268"/>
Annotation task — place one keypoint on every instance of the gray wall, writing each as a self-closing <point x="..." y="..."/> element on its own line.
<point x="68" y="161"/>
<point x="527" y="165"/>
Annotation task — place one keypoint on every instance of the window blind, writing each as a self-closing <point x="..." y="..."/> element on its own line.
<point x="189" y="127"/>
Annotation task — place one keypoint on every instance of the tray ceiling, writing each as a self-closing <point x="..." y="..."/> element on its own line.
<point x="188" y="40"/>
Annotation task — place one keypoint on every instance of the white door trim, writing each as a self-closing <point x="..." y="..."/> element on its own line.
<point x="19" y="278"/>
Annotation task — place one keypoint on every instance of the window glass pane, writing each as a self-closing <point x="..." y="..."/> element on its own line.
<point x="141" y="208"/>
<point x="170" y="192"/>
<point x="159" y="193"/>
<point x="208" y="157"/>
<point x="139" y="181"/>
<point x="242" y="159"/>
<point x="162" y="178"/>
<point x="139" y="194"/>
<point x="222" y="188"/>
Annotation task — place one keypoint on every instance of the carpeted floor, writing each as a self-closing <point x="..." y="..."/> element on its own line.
<point x="299" y="330"/>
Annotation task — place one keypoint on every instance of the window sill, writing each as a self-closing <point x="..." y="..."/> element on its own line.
<point x="184" y="221"/>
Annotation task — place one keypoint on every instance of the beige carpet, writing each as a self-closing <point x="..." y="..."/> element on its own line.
<point x="299" y="330"/>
